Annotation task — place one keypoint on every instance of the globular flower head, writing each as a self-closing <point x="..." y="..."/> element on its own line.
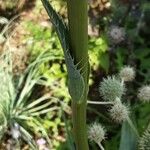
<point x="116" y="34"/>
<point x="96" y="133"/>
<point x="111" y="88"/>
<point x="119" y="112"/>
<point x="144" y="94"/>
<point x="127" y="73"/>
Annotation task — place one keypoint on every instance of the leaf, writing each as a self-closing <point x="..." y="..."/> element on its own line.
<point x="44" y="111"/>
<point x="76" y="81"/>
<point x="60" y="27"/>
<point x="76" y="88"/>
<point x="104" y="61"/>
<point x="28" y="137"/>
<point x="128" y="138"/>
<point x="42" y="129"/>
<point x="120" y="57"/>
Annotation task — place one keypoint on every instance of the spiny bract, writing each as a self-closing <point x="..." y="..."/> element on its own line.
<point x="144" y="142"/>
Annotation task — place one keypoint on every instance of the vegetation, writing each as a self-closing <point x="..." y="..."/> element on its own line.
<point x="40" y="57"/>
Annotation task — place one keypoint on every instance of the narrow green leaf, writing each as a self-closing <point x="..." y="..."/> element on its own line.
<point x="44" y="133"/>
<point x="58" y="23"/>
<point x="128" y="138"/>
<point x="44" y="111"/>
<point x="28" y="138"/>
<point x="41" y="107"/>
<point x="38" y="101"/>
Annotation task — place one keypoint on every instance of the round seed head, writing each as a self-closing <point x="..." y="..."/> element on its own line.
<point x="111" y="88"/>
<point x="96" y="133"/>
<point x="144" y="94"/>
<point x="119" y="112"/>
<point x="127" y="73"/>
<point x="116" y="34"/>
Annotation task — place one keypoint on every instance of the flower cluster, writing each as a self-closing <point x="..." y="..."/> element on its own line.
<point x="112" y="90"/>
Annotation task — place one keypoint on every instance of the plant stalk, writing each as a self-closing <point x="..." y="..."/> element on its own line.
<point x="78" y="32"/>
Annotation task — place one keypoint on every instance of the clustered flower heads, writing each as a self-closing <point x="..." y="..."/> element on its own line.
<point x="119" y="112"/>
<point x="144" y="93"/>
<point x="144" y="142"/>
<point x="96" y="133"/>
<point x="111" y="88"/>
<point x="116" y="34"/>
<point x="127" y="73"/>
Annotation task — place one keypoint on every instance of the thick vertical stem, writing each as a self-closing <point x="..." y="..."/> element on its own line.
<point x="79" y="126"/>
<point x="77" y="17"/>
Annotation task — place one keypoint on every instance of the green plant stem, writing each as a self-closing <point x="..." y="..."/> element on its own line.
<point x="100" y="103"/>
<point x="100" y="146"/>
<point x="77" y="17"/>
<point x="79" y="126"/>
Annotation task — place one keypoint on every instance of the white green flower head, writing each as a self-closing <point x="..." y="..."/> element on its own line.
<point x="110" y="88"/>
<point x="117" y="34"/>
<point x="127" y="73"/>
<point x="119" y="112"/>
<point x="96" y="132"/>
<point x="144" y="94"/>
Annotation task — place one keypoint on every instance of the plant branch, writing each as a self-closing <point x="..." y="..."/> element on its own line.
<point x="100" y="103"/>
